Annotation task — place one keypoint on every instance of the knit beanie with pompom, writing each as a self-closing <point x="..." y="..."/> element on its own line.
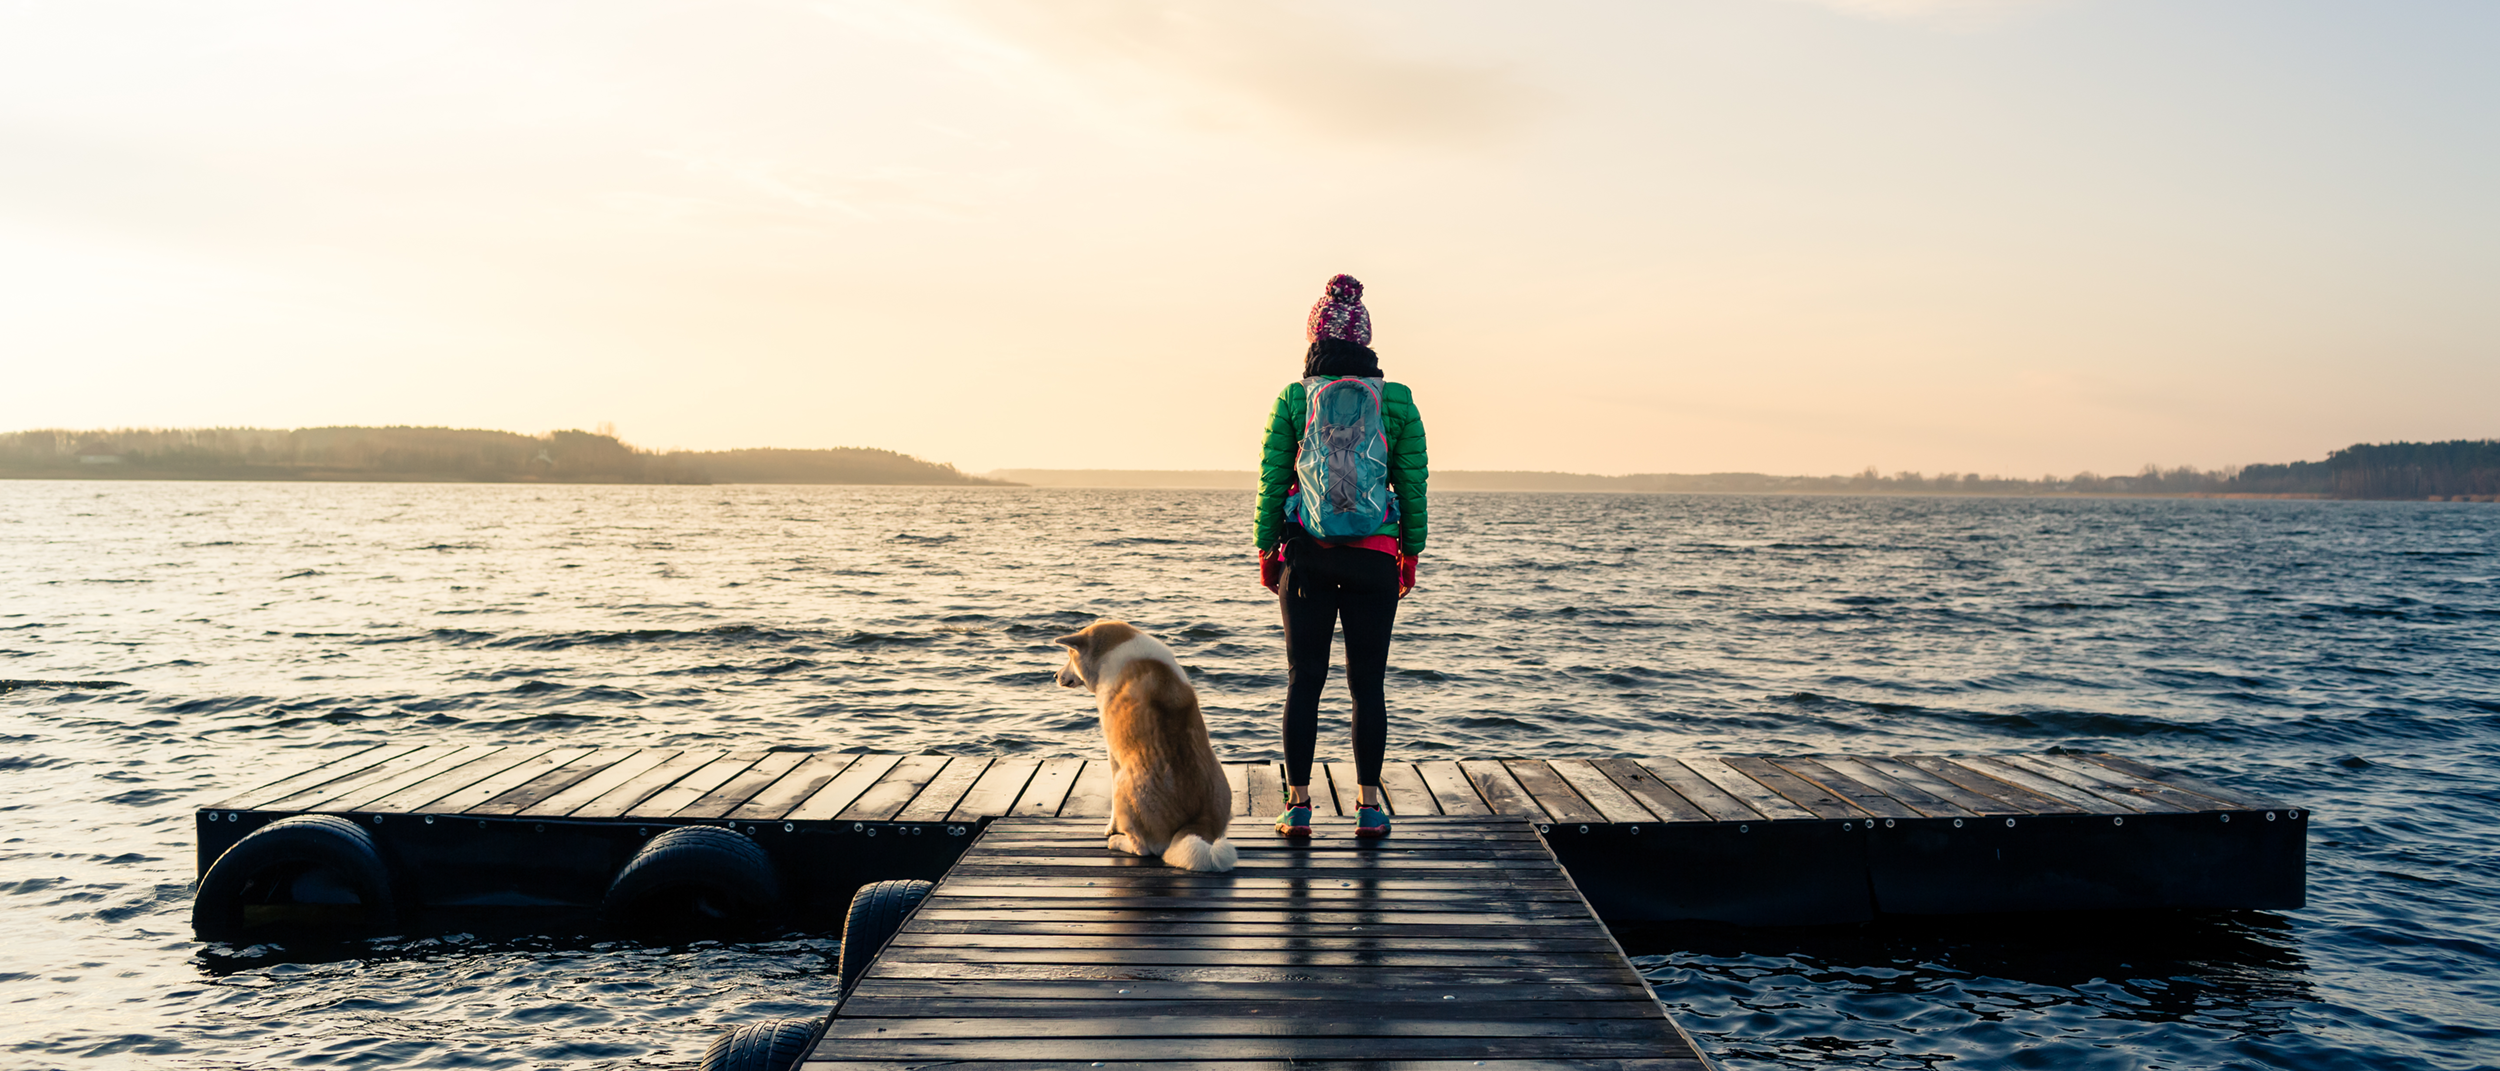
<point x="1340" y="315"/>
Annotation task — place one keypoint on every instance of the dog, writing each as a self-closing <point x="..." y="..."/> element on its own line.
<point x="1168" y="793"/>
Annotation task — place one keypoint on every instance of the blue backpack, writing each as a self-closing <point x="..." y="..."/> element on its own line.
<point x="1343" y="470"/>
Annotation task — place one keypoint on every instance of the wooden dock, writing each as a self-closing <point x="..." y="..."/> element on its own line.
<point x="1745" y="839"/>
<point x="1460" y="943"/>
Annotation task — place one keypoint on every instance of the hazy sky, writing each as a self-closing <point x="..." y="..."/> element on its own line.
<point x="1667" y="236"/>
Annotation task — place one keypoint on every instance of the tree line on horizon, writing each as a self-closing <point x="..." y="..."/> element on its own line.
<point x="2467" y="468"/>
<point x="2463" y="468"/>
<point x="452" y="454"/>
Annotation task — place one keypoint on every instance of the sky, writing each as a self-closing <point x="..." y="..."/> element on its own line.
<point x="1782" y="236"/>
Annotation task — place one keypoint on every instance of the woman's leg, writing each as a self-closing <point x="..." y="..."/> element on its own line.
<point x="1309" y="598"/>
<point x="1368" y="600"/>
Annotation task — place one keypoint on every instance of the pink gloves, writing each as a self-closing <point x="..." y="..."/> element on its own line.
<point x="1271" y="569"/>
<point x="1406" y="574"/>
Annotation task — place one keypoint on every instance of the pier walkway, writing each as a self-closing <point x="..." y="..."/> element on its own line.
<point x="1459" y="943"/>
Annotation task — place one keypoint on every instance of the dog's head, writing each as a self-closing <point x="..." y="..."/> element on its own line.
<point x="1086" y="648"/>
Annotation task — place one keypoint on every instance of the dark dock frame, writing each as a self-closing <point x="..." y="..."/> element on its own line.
<point x="1744" y="839"/>
<point x="1471" y="940"/>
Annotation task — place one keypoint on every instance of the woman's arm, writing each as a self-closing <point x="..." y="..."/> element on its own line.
<point x="1276" y="456"/>
<point x="1410" y="466"/>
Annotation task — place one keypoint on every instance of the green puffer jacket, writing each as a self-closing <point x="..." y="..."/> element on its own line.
<point x="1410" y="465"/>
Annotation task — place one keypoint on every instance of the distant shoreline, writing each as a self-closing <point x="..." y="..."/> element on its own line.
<point x="2452" y="471"/>
<point x="140" y="476"/>
<point x="1737" y="483"/>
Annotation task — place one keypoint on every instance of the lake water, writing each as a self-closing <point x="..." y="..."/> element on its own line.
<point x="2339" y="655"/>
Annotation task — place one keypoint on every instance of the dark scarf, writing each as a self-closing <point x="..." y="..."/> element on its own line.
<point x="1338" y="357"/>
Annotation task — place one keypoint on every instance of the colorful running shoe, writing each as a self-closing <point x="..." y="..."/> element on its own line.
<point x="1296" y="821"/>
<point x="1371" y="821"/>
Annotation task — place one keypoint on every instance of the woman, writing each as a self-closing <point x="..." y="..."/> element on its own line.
<point x="1357" y="579"/>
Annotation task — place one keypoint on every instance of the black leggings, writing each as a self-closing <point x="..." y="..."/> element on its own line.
<point x="1321" y="585"/>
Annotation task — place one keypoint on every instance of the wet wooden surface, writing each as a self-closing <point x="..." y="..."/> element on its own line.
<point x="1459" y="942"/>
<point x="755" y="785"/>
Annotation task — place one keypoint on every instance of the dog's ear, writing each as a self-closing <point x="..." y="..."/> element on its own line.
<point x="1078" y="640"/>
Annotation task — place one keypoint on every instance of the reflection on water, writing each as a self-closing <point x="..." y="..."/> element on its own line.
<point x="2335" y="654"/>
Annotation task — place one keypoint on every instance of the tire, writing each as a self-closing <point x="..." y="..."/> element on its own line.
<point x="771" y="1045"/>
<point x="877" y="914"/>
<point x="310" y="875"/>
<point x="694" y="879"/>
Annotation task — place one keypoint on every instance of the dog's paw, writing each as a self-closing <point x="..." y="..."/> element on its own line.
<point x="1124" y="844"/>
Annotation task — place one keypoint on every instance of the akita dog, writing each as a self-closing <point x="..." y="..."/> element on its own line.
<point x="1168" y="794"/>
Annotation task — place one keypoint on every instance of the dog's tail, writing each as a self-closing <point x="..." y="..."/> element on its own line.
<point x="1191" y="851"/>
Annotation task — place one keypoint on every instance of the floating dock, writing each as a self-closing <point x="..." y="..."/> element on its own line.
<point x="1756" y="840"/>
<point x="1458" y="943"/>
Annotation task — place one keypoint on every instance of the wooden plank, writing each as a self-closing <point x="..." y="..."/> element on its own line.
<point x="1422" y="823"/>
<point x="642" y="786"/>
<point x="1267" y="791"/>
<point x="1012" y="989"/>
<point x="371" y="778"/>
<point x="1044" y="864"/>
<point x="894" y="790"/>
<point x="1400" y="786"/>
<point x="1107" y="1006"/>
<point x="1171" y="909"/>
<point x="1576" y="1063"/>
<point x="1700" y="791"/>
<point x="1151" y="883"/>
<point x="1654" y="794"/>
<point x="938" y="798"/>
<point x="1426" y="826"/>
<point x="1501" y="791"/>
<point x="730" y="796"/>
<point x="1090" y="795"/>
<point x="1172" y="1026"/>
<point x="581" y="792"/>
<point x="1323" y="794"/>
<point x="1910" y="794"/>
<point x="1735" y="783"/>
<point x="1049" y="788"/>
<point x="1552" y="792"/>
<point x="2082" y="800"/>
<point x="1341" y="895"/>
<point x="1972" y="781"/>
<point x="1334" y="870"/>
<point x="1603" y="970"/>
<point x="838" y="792"/>
<point x="1863" y="797"/>
<point x="1053" y="943"/>
<point x="1452" y="792"/>
<point x="514" y="777"/>
<point x="973" y="943"/>
<point x="1612" y="802"/>
<point x="784" y="795"/>
<point x="996" y="791"/>
<point x="681" y="794"/>
<point x="348" y="792"/>
<point x="1901" y="771"/>
<point x="2230" y="797"/>
<point x="1345" y="786"/>
<point x="1401" y="928"/>
<point x="525" y="796"/>
<point x="1792" y="788"/>
<point x="417" y="796"/>
<point x="1291" y="1045"/>
<point x="352" y="761"/>
<point x="2101" y="779"/>
<point x="1237" y="776"/>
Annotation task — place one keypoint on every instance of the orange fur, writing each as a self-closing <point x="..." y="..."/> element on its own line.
<point x="1167" y="787"/>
